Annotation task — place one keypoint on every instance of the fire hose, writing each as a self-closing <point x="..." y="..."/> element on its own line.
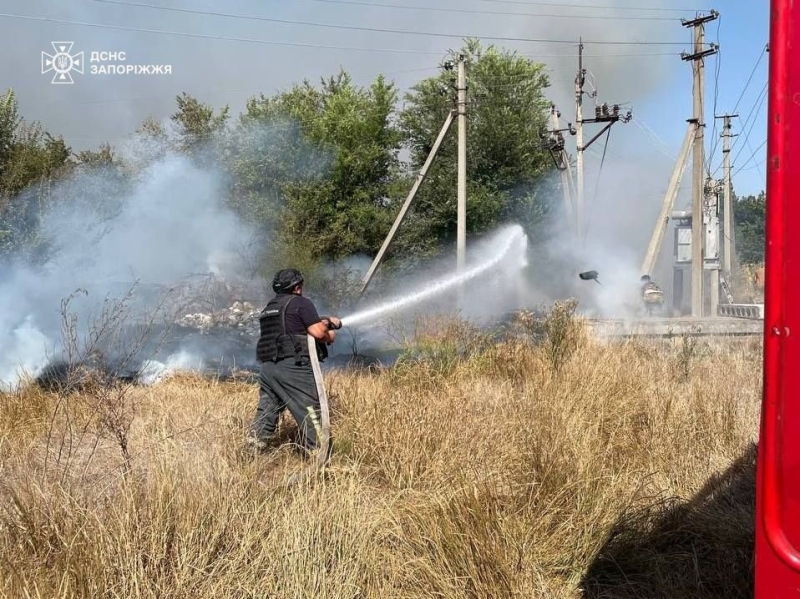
<point x="323" y="424"/>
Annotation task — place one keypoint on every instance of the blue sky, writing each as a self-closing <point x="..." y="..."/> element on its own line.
<point x="108" y="108"/>
<point x="743" y="34"/>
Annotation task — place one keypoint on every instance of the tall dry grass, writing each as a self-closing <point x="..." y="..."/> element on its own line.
<point x="471" y="468"/>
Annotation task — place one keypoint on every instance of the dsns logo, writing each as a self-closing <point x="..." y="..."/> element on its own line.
<point x="62" y="63"/>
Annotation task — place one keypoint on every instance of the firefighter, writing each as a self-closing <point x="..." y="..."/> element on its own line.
<point x="652" y="296"/>
<point x="288" y="378"/>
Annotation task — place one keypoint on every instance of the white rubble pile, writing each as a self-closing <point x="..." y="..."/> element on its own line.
<point x="240" y="315"/>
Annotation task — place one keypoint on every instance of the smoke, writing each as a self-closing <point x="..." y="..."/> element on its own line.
<point x="105" y="233"/>
<point x="169" y="221"/>
<point x="621" y="212"/>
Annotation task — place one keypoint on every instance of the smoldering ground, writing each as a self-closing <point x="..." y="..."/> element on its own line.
<point x="169" y="223"/>
<point x="160" y="228"/>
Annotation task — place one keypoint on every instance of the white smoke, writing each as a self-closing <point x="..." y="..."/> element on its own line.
<point x="169" y="223"/>
<point x="153" y="371"/>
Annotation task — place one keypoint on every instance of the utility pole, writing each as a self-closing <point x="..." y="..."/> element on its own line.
<point x="580" y="80"/>
<point x="557" y="148"/>
<point x="727" y="205"/>
<point x="401" y="215"/>
<point x="711" y="261"/>
<point x="461" y="228"/>
<point x="698" y="167"/>
<point x="602" y="114"/>
<point x="657" y="238"/>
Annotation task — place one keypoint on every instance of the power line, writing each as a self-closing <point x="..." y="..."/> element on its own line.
<point x="596" y="6"/>
<point x="754" y="151"/>
<point x="322" y="25"/>
<point x="750" y="78"/>
<point x="744" y="90"/>
<point x="757" y="165"/>
<point x="751" y="156"/>
<point x="753" y="113"/>
<point x="714" y="138"/>
<point x="489" y="12"/>
<point x="585" y="55"/>
<point x="597" y="183"/>
<point x="661" y="145"/>
<point x="214" y="37"/>
<point x="326" y="46"/>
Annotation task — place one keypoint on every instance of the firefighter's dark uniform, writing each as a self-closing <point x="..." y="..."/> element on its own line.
<point x="287" y="379"/>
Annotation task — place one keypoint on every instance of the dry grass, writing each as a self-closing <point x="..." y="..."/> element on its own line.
<point x="499" y="473"/>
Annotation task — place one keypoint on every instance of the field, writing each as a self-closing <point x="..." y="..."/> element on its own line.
<point x="474" y="467"/>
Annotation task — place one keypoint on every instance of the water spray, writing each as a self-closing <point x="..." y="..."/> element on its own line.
<point x="513" y="243"/>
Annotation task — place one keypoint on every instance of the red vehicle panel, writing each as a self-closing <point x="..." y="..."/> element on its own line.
<point x="778" y="481"/>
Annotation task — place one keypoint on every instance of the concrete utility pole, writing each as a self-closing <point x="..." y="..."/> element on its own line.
<point x="401" y="215"/>
<point x="657" y="238"/>
<point x="461" y="229"/>
<point x="698" y="167"/>
<point x="727" y="205"/>
<point x="602" y="114"/>
<point x="561" y="159"/>
<point x="711" y="261"/>
<point x="580" y="80"/>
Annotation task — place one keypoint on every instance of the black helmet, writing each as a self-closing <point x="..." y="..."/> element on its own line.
<point x="286" y="280"/>
<point x="645" y="278"/>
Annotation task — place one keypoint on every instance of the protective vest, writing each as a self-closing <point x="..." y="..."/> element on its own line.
<point x="275" y="344"/>
<point x="651" y="293"/>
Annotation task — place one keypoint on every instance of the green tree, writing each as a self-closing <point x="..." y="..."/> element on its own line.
<point x="507" y="119"/>
<point x="197" y="123"/>
<point x="102" y="157"/>
<point x="9" y="121"/>
<point x="30" y="160"/>
<point x="749" y="214"/>
<point x="315" y="166"/>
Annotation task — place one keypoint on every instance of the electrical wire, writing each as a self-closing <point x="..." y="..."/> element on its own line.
<point x="313" y="24"/>
<point x="744" y="90"/>
<point x="714" y="138"/>
<point x="757" y="165"/>
<point x="754" y="151"/>
<point x="489" y="12"/>
<point x="753" y="113"/>
<point x="597" y="185"/>
<point x="595" y="6"/>
<point x="319" y="46"/>
<point x="741" y="168"/>
<point x="213" y="37"/>
<point x="759" y="101"/>
<point x="661" y="145"/>
<point x="750" y="78"/>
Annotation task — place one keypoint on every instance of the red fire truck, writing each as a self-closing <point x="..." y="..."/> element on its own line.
<point x="778" y="482"/>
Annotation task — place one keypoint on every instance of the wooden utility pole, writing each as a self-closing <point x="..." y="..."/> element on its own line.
<point x="461" y="228"/>
<point x="727" y="204"/>
<point x="698" y="167"/>
<point x="580" y="80"/>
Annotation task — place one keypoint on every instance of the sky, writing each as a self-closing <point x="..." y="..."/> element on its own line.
<point x="260" y="55"/>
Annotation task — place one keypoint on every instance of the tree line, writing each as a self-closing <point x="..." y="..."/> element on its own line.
<point x="321" y="169"/>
